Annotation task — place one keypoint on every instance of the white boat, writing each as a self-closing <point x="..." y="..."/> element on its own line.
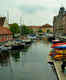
<point x="32" y="37"/>
<point x="3" y="48"/>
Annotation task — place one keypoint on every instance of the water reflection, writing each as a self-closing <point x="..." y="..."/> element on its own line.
<point x="27" y="64"/>
<point x="4" y="58"/>
<point x="15" y="55"/>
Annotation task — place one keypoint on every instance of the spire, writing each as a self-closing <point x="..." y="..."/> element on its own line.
<point x="61" y="11"/>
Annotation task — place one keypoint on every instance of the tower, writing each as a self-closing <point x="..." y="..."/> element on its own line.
<point x="61" y="11"/>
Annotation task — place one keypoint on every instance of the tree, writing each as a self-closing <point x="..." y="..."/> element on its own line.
<point x="14" y="28"/>
<point x="25" y="30"/>
<point x="40" y="31"/>
<point x="31" y="31"/>
<point x="48" y="31"/>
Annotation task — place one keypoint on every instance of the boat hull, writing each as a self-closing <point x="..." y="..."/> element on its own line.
<point x="16" y="47"/>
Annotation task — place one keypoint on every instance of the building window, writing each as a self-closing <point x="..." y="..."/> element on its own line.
<point x="0" y="37"/>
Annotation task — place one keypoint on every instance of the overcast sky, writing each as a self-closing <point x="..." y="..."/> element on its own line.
<point x="32" y="12"/>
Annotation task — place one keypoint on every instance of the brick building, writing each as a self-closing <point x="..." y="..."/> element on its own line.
<point x="44" y="28"/>
<point x="59" y="23"/>
<point x="35" y="28"/>
<point x="5" y="33"/>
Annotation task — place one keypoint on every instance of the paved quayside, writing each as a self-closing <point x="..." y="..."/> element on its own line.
<point x="57" y="65"/>
<point x="60" y="74"/>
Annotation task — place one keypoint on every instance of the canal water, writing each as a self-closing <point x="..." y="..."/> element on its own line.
<point x="28" y="64"/>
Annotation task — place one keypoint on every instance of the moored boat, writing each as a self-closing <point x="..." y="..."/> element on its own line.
<point x="3" y="48"/>
<point x="27" y="42"/>
<point x="8" y="46"/>
<point x="18" y="45"/>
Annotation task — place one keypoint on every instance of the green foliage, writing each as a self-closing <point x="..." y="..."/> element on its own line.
<point x="31" y="31"/>
<point x="25" y="30"/>
<point x="14" y="28"/>
<point x="40" y="31"/>
<point x="48" y="31"/>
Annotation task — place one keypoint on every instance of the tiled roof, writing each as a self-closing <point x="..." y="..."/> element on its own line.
<point x="2" y="20"/>
<point x="4" y="30"/>
<point x="47" y="26"/>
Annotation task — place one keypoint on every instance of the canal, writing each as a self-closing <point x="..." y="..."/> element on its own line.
<point x="28" y="64"/>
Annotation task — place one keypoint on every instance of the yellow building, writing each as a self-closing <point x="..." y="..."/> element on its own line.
<point x="47" y="28"/>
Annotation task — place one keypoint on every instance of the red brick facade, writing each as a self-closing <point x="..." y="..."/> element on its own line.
<point x="5" y="34"/>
